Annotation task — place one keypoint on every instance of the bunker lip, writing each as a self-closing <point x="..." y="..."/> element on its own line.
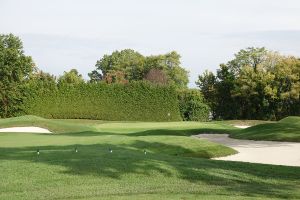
<point x="266" y="152"/>
<point x="25" y="129"/>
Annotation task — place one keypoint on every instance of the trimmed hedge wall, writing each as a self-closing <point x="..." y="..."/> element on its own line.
<point x="137" y="101"/>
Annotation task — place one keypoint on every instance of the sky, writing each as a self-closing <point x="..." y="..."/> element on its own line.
<point x="65" y="34"/>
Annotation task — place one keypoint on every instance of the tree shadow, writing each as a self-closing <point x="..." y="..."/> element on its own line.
<point x="151" y="132"/>
<point x="130" y="159"/>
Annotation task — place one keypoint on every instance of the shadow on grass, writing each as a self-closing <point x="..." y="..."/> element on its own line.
<point x="152" y="132"/>
<point x="239" y="178"/>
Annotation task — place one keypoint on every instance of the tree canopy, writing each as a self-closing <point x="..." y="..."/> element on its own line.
<point x="256" y="84"/>
<point x="70" y="78"/>
<point x="129" y="65"/>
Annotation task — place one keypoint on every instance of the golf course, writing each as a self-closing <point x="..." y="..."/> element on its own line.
<point x="147" y="160"/>
<point x="114" y="122"/>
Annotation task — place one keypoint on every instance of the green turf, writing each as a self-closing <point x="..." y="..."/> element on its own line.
<point x="173" y="168"/>
<point x="287" y="129"/>
<point x="247" y="122"/>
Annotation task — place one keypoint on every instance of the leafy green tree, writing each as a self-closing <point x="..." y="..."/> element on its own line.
<point x="251" y="57"/>
<point x="286" y="87"/>
<point x="135" y="67"/>
<point x="95" y="76"/>
<point x="15" y="70"/>
<point x="170" y="64"/>
<point x="128" y="61"/>
<point x="178" y="75"/>
<point x="192" y="106"/>
<point x="70" y="78"/>
<point x="251" y="88"/>
<point x="207" y="84"/>
<point x="227" y="105"/>
<point x="256" y="84"/>
<point x="41" y="81"/>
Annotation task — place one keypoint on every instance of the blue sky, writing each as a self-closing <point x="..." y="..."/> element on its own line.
<point x="65" y="34"/>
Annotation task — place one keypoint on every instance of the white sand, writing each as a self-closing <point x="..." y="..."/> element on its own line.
<point x="29" y="129"/>
<point x="268" y="152"/>
<point x="240" y="126"/>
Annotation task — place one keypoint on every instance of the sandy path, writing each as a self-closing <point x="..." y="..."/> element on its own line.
<point x="268" y="152"/>
<point x="28" y="129"/>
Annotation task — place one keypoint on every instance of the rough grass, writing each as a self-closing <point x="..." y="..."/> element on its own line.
<point x="287" y="129"/>
<point x="173" y="168"/>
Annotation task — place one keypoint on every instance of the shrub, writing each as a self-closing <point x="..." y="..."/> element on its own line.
<point x="191" y="105"/>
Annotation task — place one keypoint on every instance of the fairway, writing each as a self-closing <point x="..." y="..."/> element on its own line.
<point x="175" y="165"/>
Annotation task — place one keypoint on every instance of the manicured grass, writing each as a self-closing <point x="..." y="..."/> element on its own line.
<point x="287" y="129"/>
<point x="57" y="126"/>
<point x="247" y="122"/>
<point x="173" y="168"/>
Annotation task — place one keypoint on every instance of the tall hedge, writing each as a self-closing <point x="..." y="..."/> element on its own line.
<point x="137" y="101"/>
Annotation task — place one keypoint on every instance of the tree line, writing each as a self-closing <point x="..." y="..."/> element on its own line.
<point x="21" y="81"/>
<point x="256" y="84"/>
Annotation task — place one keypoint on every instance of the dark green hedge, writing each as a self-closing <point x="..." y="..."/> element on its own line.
<point x="137" y="101"/>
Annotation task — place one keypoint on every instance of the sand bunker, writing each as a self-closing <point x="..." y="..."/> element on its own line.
<point x="267" y="152"/>
<point x="240" y="126"/>
<point x="28" y="129"/>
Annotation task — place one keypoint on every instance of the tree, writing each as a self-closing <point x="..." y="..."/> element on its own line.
<point x="170" y="64"/>
<point x="192" y="106"/>
<point x="256" y="84"/>
<point x="134" y="66"/>
<point x="41" y="81"/>
<point x="113" y="76"/>
<point x="250" y="56"/>
<point x="286" y="86"/>
<point x="207" y="84"/>
<point x="128" y="61"/>
<point x="95" y="76"/>
<point x="226" y="107"/>
<point x="251" y="88"/>
<point x="15" y="70"/>
<point x="70" y="78"/>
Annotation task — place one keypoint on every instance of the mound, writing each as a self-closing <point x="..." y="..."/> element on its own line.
<point x="288" y="129"/>
<point x="291" y="120"/>
<point x="55" y="126"/>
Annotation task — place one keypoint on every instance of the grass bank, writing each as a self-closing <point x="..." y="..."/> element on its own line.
<point x="287" y="129"/>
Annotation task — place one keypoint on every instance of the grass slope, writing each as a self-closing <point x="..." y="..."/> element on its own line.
<point x="288" y="129"/>
<point x="173" y="168"/>
<point x="57" y="126"/>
